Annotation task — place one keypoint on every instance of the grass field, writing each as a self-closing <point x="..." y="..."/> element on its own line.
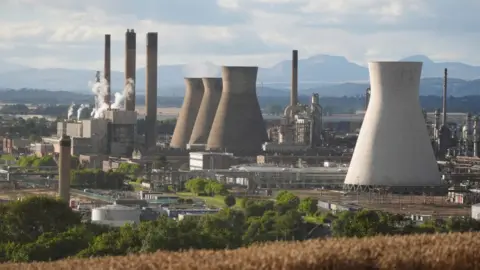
<point x="216" y="202"/>
<point x="414" y="252"/>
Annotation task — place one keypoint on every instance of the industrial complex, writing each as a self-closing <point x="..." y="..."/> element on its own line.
<point x="391" y="156"/>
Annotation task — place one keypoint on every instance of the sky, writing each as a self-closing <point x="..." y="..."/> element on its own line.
<point x="70" y="33"/>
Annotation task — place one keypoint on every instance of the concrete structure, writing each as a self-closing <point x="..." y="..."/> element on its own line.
<point x="188" y="113"/>
<point x="130" y="67"/>
<point x="64" y="168"/>
<point x="121" y="132"/>
<point x="393" y="148"/>
<point x="151" y="94"/>
<point x="294" y="90"/>
<point x="107" y="69"/>
<point x="238" y="126"/>
<point x="208" y="108"/>
<point x="206" y="161"/>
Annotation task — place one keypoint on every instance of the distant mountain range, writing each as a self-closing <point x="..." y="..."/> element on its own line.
<point x="325" y="74"/>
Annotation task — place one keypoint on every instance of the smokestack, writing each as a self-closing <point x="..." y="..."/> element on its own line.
<point x="188" y="113"/>
<point x="394" y="112"/>
<point x="238" y="126"/>
<point x="151" y="95"/>
<point x="444" y="105"/>
<point x="294" y="92"/>
<point x="130" y="67"/>
<point x="64" y="169"/>
<point x="106" y="69"/>
<point x="208" y="108"/>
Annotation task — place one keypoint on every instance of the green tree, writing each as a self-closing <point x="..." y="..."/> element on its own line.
<point x="230" y="200"/>
<point x="24" y="221"/>
<point x="308" y="206"/>
<point x="196" y="185"/>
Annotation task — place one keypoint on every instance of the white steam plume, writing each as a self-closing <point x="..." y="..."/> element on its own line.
<point x="120" y="97"/>
<point x="199" y="70"/>
<point x="70" y="111"/>
<point x="99" y="89"/>
<point x="80" y="109"/>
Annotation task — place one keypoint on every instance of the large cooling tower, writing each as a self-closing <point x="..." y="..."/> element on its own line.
<point x="208" y="108"/>
<point x="238" y="126"/>
<point x="188" y="113"/>
<point x="393" y="148"/>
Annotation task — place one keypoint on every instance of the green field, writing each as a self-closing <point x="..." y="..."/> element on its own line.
<point x="216" y="201"/>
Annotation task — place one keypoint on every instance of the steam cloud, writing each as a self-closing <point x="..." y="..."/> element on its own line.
<point x="70" y="111"/>
<point x="199" y="70"/>
<point x="99" y="89"/>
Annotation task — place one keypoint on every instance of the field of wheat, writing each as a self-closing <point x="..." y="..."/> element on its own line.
<point x="448" y="251"/>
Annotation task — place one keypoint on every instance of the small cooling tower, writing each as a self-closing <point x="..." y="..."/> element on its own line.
<point x="393" y="148"/>
<point x="188" y="113"/>
<point x="238" y="125"/>
<point x="208" y="108"/>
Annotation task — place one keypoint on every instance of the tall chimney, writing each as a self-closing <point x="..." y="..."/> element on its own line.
<point x="106" y="69"/>
<point x="64" y="168"/>
<point x="294" y="92"/>
<point x="444" y="105"/>
<point x="151" y="95"/>
<point x="130" y="67"/>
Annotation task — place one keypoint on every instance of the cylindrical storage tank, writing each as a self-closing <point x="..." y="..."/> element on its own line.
<point x="188" y="113"/>
<point x="393" y="147"/>
<point x="238" y="126"/>
<point x="116" y="213"/>
<point x="208" y="108"/>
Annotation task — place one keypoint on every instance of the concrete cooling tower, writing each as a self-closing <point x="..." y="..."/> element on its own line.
<point x="208" y="108"/>
<point x="393" y="148"/>
<point x="238" y="125"/>
<point x="188" y="113"/>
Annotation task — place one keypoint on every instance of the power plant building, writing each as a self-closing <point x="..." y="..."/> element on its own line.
<point x="238" y="126"/>
<point x="208" y="108"/>
<point x="188" y="113"/>
<point x="393" y="148"/>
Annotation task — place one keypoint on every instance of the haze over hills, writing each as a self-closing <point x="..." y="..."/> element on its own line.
<point x="325" y="74"/>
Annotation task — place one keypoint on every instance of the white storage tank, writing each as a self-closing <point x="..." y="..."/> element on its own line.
<point x="476" y="211"/>
<point x="115" y="212"/>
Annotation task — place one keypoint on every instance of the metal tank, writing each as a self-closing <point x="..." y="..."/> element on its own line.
<point x="188" y="113"/>
<point x="116" y="212"/>
<point x="64" y="168"/>
<point x="208" y="108"/>
<point x="393" y="148"/>
<point x="238" y="126"/>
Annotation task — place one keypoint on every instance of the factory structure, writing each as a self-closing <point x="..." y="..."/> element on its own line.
<point x="111" y="128"/>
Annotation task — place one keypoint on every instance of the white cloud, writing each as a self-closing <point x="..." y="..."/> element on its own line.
<point x="67" y="33"/>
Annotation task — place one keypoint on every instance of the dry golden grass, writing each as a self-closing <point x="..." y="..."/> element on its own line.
<point x="452" y="251"/>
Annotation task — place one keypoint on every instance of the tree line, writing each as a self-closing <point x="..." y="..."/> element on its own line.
<point x="45" y="229"/>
